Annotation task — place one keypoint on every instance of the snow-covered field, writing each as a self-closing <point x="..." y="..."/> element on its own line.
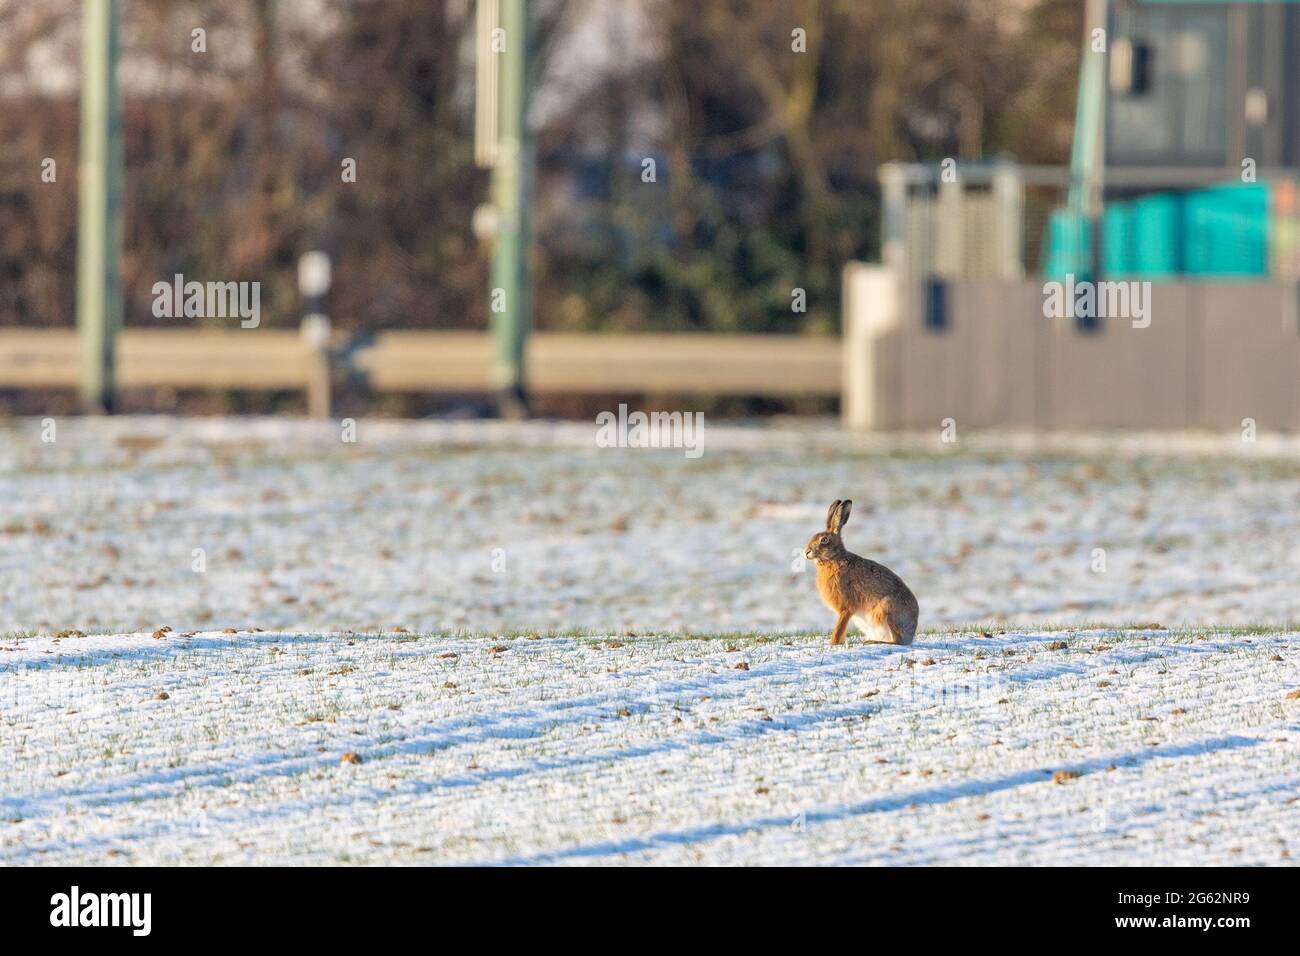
<point x="651" y="749"/>
<point x="542" y="651"/>
<point x="485" y="526"/>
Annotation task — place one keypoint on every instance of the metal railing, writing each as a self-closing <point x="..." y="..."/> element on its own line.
<point x="435" y="361"/>
<point x="988" y="219"/>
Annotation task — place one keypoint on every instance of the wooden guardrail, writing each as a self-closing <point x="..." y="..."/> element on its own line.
<point x="435" y="361"/>
<point x="180" y="358"/>
<point x="606" y="363"/>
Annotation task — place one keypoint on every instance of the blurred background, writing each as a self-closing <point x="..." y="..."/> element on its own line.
<point x="765" y="161"/>
<point x="676" y="173"/>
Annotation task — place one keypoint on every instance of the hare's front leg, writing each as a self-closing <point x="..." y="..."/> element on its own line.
<point x="841" y="625"/>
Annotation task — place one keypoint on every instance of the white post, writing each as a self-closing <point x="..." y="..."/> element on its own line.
<point x="871" y="317"/>
<point x="893" y="204"/>
<point x="950" y="231"/>
<point x="1009" y="201"/>
<point x="314" y="278"/>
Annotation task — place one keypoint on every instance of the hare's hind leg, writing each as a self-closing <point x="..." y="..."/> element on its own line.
<point x="901" y="626"/>
<point x="885" y="625"/>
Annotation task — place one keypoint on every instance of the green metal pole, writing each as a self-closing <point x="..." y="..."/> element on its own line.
<point x="99" y="212"/>
<point x="510" y="296"/>
<point x="1087" y="157"/>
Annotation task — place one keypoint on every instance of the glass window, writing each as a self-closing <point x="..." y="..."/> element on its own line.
<point x="1173" y="110"/>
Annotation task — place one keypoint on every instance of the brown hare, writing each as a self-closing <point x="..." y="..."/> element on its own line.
<point x="856" y="589"/>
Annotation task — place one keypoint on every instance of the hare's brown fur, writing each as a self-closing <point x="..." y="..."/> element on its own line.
<point x="858" y="589"/>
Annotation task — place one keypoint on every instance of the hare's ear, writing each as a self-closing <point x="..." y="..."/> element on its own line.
<point x="845" y="505"/>
<point x="832" y="515"/>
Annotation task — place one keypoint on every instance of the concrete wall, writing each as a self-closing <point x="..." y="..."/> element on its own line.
<point x="1121" y="376"/>
<point x="1247" y="362"/>
<point x="1213" y="355"/>
<point x="979" y="368"/>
